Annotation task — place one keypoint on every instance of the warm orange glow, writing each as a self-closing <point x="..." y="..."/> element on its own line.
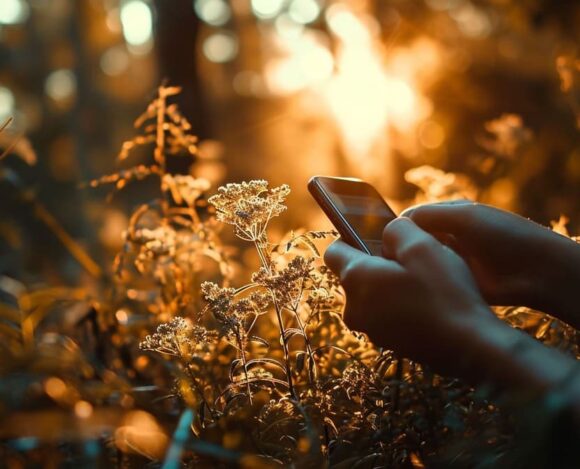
<point x="304" y="62"/>
<point x="372" y="91"/>
<point x="83" y="409"/>
<point x="55" y="388"/>
<point x="140" y="433"/>
<point x="122" y="316"/>
<point x="431" y="135"/>
<point x="142" y="362"/>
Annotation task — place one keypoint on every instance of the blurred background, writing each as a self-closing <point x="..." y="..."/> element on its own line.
<point x="456" y="97"/>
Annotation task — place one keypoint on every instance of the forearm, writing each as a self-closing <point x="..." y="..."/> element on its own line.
<point x="560" y="288"/>
<point x="510" y="360"/>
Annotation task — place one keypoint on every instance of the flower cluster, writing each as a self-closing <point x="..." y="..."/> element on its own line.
<point x="249" y="206"/>
<point x="230" y="311"/>
<point x="179" y="337"/>
<point x="288" y="283"/>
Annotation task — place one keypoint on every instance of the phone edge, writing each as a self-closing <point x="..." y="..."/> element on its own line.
<point x="315" y="184"/>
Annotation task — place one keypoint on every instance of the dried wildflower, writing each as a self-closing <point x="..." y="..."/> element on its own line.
<point x="229" y="311"/>
<point x="157" y="241"/>
<point x="163" y="126"/>
<point x="509" y="135"/>
<point x="249" y="206"/>
<point x="437" y="185"/>
<point x="179" y="337"/>
<point x="185" y="188"/>
<point x="357" y="379"/>
<point x="288" y="283"/>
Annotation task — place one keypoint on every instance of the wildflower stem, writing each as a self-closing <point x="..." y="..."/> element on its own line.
<point x="267" y="265"/>
<point x="193" y="379"/>
<point x="284" y="346"/>
<point x="244" y="362"/>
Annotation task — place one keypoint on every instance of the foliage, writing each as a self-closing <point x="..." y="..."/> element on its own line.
<point x="173" y="363"/>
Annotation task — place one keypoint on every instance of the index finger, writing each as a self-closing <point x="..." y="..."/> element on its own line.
<point x="339" y="255"/>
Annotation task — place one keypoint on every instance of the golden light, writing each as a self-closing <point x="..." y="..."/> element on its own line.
<point x="140" y="433"/>
<point x="55" y="388"/>
<point x="373" y="91"/>
<point x="431" y="134"/>
<point x="83" y="409"/>
<point x="122" y="316"/>
<point x="306" y="62"/>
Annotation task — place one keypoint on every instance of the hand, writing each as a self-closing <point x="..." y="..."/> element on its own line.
<point x="514" y="260"/>
<point x="420" y="300"/>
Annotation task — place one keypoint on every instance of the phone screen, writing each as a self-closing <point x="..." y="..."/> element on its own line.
<point x="362" y="207"/>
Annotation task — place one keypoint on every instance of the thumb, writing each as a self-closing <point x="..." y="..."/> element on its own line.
<point x="453" y="217"/>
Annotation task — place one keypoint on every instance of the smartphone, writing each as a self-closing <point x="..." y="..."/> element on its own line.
<point x="355" y="208"/>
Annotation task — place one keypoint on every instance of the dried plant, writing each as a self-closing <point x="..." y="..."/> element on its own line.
<point x="171" y="240"/>
<point x="307" y="391"/>
<point x="261" y="375"/>
<point x="436" y="185"/>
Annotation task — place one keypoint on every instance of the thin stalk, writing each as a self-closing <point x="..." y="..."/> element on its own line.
<point x="194" y="380"/>
<point x="244" y="362"/>
<point x="312" y="372"/>
<point x="266" y="265"/>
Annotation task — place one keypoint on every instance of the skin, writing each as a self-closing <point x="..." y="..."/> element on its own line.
<point x="425" y="301"/>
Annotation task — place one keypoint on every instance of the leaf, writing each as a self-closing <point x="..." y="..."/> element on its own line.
<point x="306" y="239"/>
<point x="234" y="365"/>
<point x="322" y="234"/>
<point x="291" y="332"/>
<point x="264" y="360"/>
<point x="300" y="357"/>
<point x="303" y="239"/>
<point x="255" y="338"/>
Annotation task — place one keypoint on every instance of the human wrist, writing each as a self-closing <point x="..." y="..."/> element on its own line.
<point x="508" y="359"/>
<point x="561" y="280"/>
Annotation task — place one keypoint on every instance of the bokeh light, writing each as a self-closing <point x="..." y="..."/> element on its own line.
<point x="213" y="12"/>
<point x="137" y="21"/>
<point x="220" y="47"/>
<point x="83" y="409"/>
<point x="304" y="11"/>
<point x="14" y="11"/>
<point x="115" y="61"/>
<point x="61" y="85"/>
<point x="267" y="8"/>
<point x="7" y="103"/>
